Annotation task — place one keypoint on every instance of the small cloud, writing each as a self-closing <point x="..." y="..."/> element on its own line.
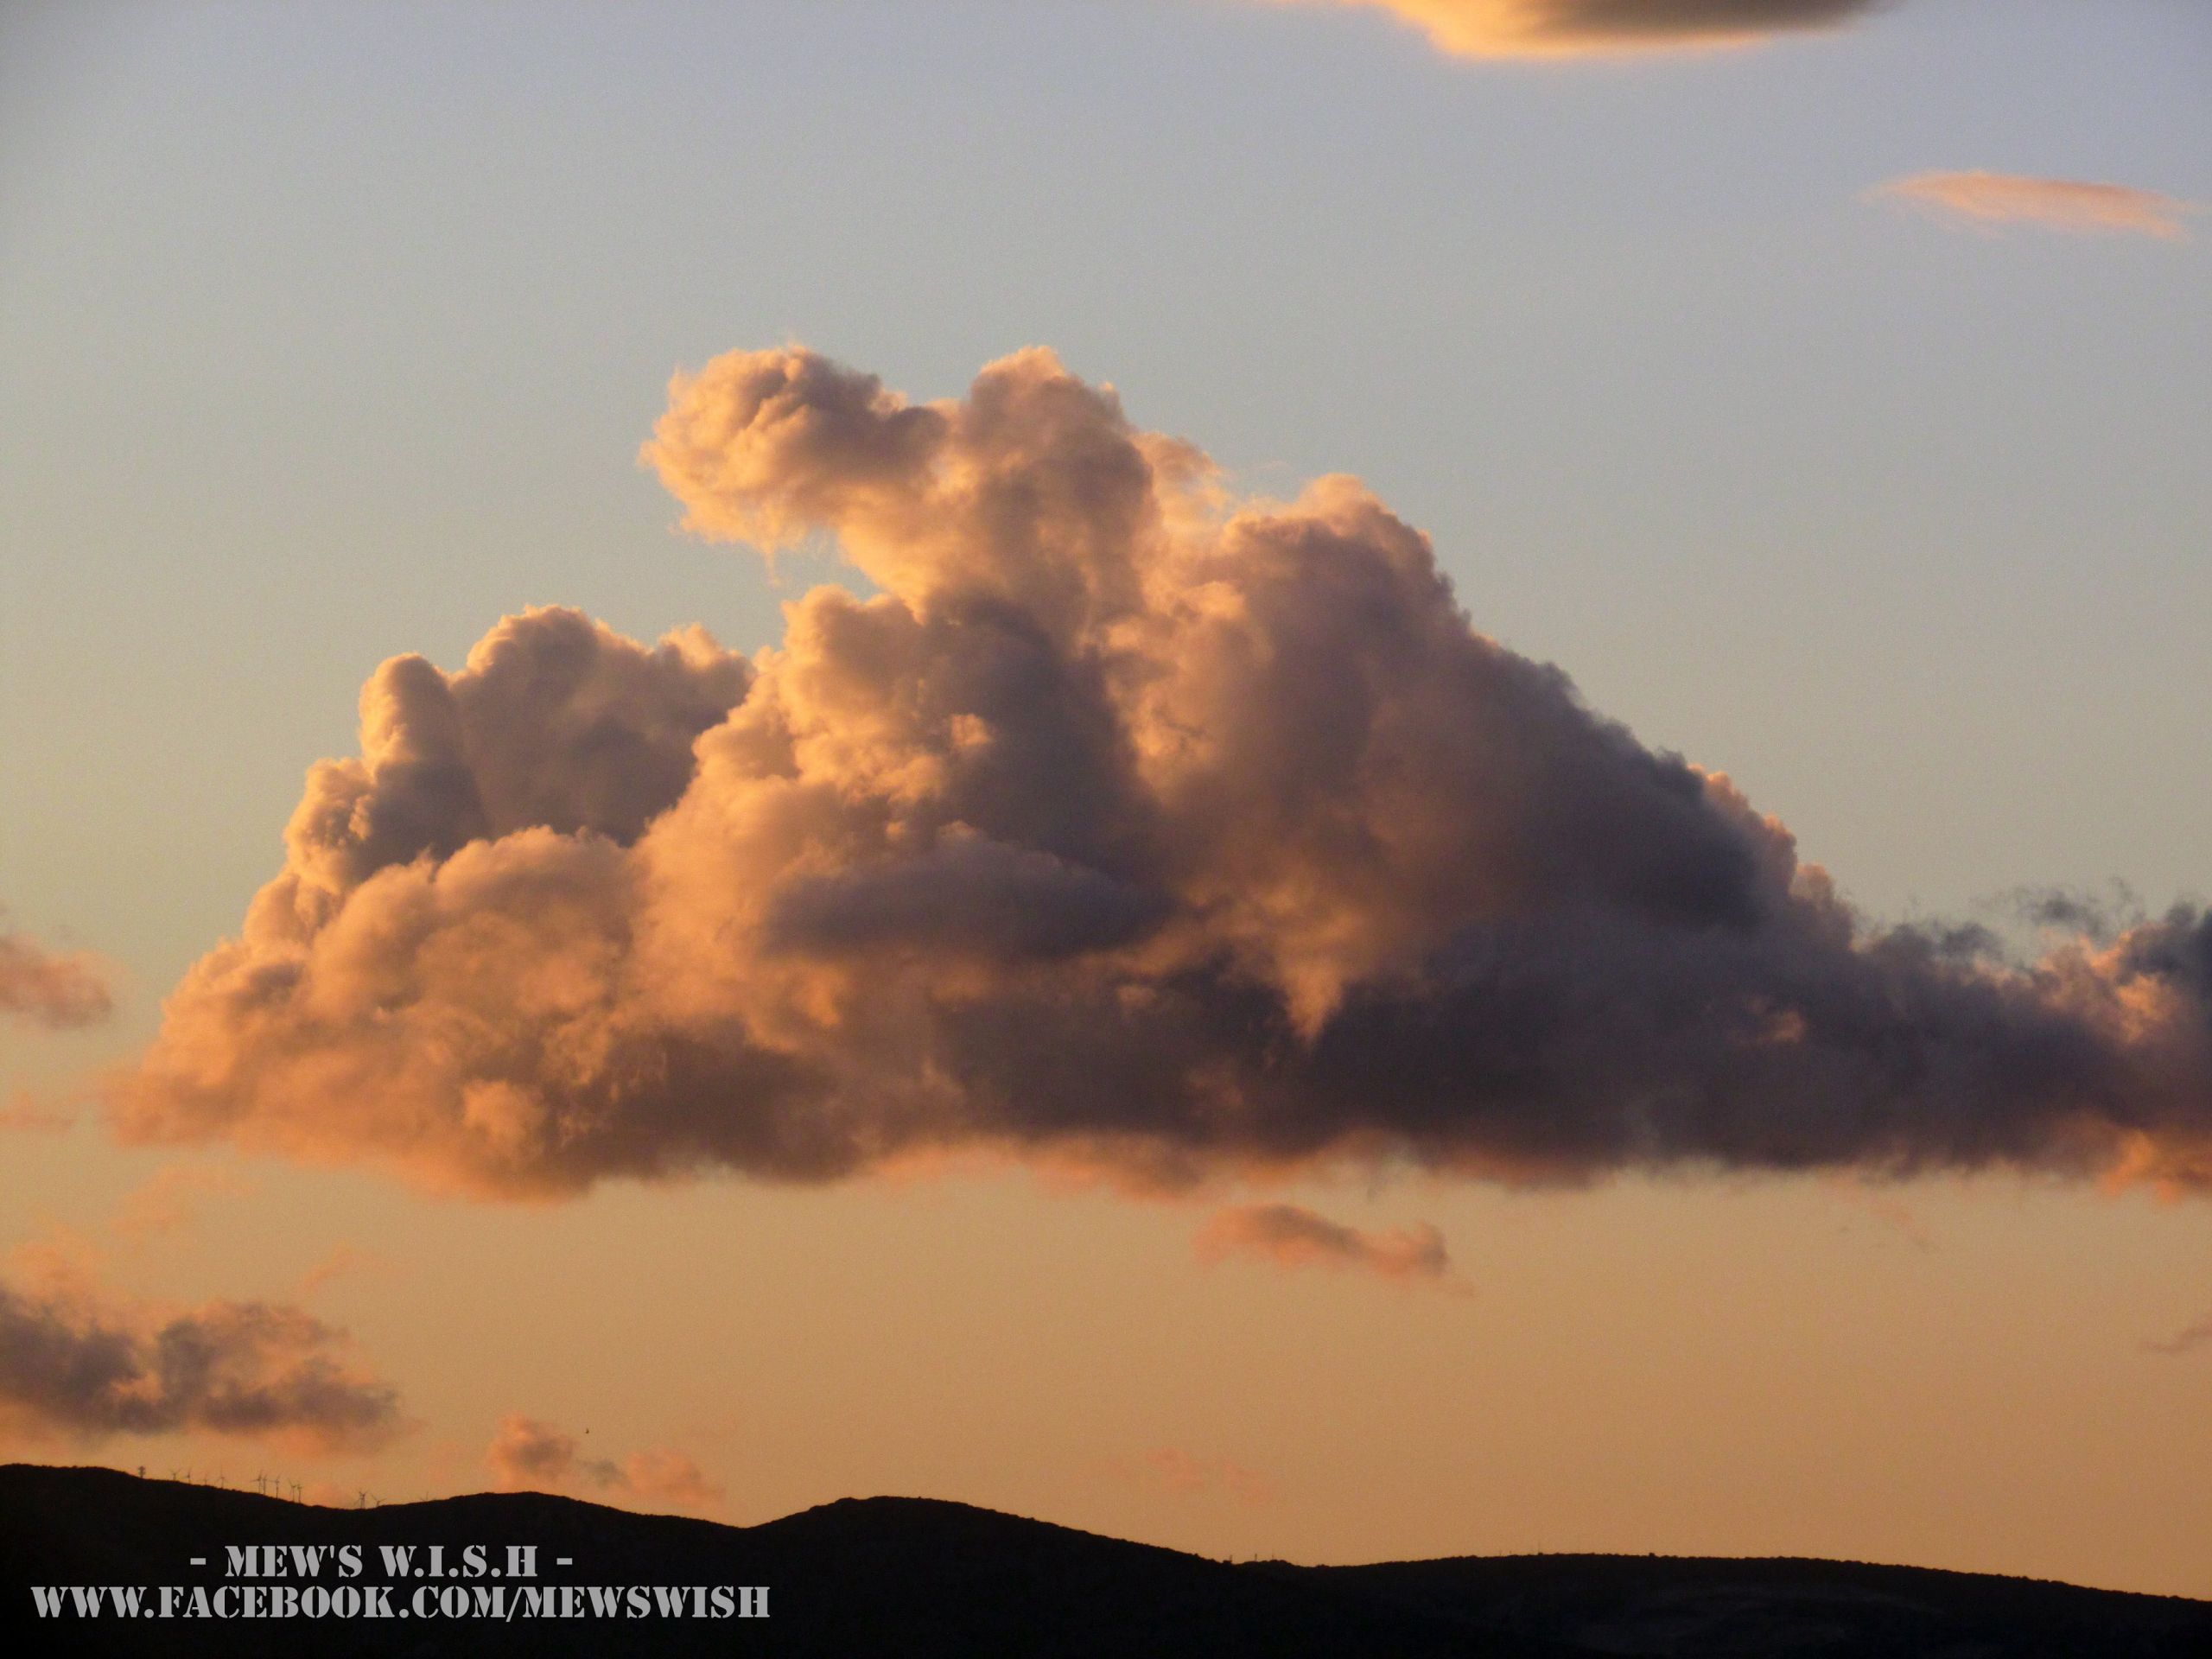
<point x="26" y="1112"/>
<point x="42" y="988"/>
<point x="1981" y="200"/>
<point x="60" y="1264"/>
<point x="1884" y="1206"/>
<point x="1557" y="28"/>
<point x="1292" y="1237"/>
<point x="662" y="1475"/>
<point x="169" y="1201"/>
<point x="341" y="1262"/>
<point x="80" y="1364"/>
<point x="527" y="1454"/>
<point x="1180" y="1472"/>
<point x="2097" y="918"/>
<point x="2182" y="1341"/>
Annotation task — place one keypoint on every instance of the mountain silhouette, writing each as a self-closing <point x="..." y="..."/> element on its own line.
<point x="920" y="1578"/>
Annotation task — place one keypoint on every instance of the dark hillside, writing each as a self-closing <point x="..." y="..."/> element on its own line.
<point x="920" y="1579"/>
<point x="1673" y="1606"/>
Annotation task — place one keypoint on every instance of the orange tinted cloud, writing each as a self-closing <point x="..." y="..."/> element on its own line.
<point x="1533" y="28"/>
<point x="1293" y="1237"/>
<point x="342" y="1261"/>
<point x="1129" y="823"/>
<point x="25" y="1110"/>
<point x="1180" y="1472"/>
<point x="80" y="1364"/>
<point x="40" y="987"/>
<point x="169" y="1200"/>
<point x="1979" y="199"/>
<point x="528" y="1455"/>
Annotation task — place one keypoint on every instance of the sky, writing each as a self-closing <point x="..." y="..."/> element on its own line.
<point x="1829" y="400"/>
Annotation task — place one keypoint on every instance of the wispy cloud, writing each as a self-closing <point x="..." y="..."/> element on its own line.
<point x="527" y="1454"/>
<point x="26" y="1111"/>
<point x="2182" y="1341"/>
<point x="1884" y="1206"/>
<point x="1291" y="1236"/>
<point x="343" y="1261"/>
<point x="169" y="1201"/>
<point x="1553" y="28"/>
<point x="50" y="988"/>
<point x="2076" y="207"/>
<point x="1189" y="1476"/>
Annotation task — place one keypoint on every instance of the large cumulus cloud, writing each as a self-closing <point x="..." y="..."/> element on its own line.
<point x="1516" y="29"/>
<point x="1128" y="822"/>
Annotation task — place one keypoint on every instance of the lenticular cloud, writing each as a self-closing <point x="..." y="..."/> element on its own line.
<point x="1548" y="29"/>
<point x="1130" y="822"/>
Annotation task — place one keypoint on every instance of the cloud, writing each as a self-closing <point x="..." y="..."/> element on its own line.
<point x="659" y="1475"/>
<point x="168" y="1201"/>
<point x="1548" y="29"/>
<point x="80" y="1365"/>
<point x="2184" y="1341"/>
<point x="528" y="1455"/>
<point x="1293" y="1237"/>
<point x="2098" y="916"/>
<point x="525" y="1452"/>
<point x="1187" y="1476"/>
<point x="343" y="1260"/>
<point x="39" y="988"/>
<point x="1978" y="199"/>
<point x="1130" y="824"/>
<point x="1885" y="1207"/>
<point x="24" y="1110"/>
